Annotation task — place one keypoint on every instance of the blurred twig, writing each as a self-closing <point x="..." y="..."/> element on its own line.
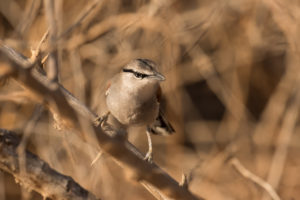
<point x="122" y="21"/>
<point x="249" y="175"/>
<point x="36" y="51"/>
<point x="32" y="10"/>
<point x="283" y="141"/>
<point x="82" y="16"/>
<point x="275" y="107"/>
<point x="21" y="149"/>
<point x="11" y="11"/>
<point x="19" y="97"/>
<point x="39" y="175"/>
<point x="53" y="63"/>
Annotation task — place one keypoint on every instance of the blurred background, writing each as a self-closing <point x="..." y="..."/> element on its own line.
<point x="232" y="90"/>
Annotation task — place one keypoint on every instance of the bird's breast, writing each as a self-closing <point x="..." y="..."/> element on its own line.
<point x="132" y="107"/>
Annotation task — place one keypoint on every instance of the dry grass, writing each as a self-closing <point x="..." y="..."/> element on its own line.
<point x="231" y="91"/>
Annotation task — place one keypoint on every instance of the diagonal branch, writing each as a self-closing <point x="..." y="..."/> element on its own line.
<point x="39" y="176"/>
<point x="123" y="152"/>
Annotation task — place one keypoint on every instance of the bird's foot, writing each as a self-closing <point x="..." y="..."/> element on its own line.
<point x="149" y="157"/>
<point x="101" y="121"/>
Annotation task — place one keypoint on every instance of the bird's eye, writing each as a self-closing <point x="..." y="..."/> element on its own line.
<point x="139" y="75"/>
<point x="136" y="74"/>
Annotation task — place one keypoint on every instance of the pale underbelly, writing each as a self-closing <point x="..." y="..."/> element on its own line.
<point x="134" y="113"/>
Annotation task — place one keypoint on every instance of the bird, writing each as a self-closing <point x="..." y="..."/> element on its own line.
<point x="133" y="99"/>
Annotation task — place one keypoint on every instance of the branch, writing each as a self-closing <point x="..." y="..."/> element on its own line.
<point x="82" y="16"/>
<point x="53" y="64"/>
<point x="39" y="176"/>
<point x="249" y="175"/>
<point x="123" y="152"/>
<point x="11" y="11"/>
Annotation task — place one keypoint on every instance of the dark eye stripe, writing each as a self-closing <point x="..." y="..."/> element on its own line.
<point x="128" y="70"/>
<point x="136" y="74"/>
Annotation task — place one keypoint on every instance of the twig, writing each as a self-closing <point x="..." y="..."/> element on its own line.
<point x="18" y="58"/>
<point x="123" y="20"/>
<point x="11" y="11"/>
<point x="249" y="175"/>
<point x="39" y="176"/>
<point x="283" y="141"/>
<point x="96" y="158"/>
<point x="87" y="11"/>
<point x="154" y="192"/>
<point x="21" y="149"/>
<point x="79" y="78"/>
<point x="52" y="72"/>
<point x="36" y="52"/>
<point x="275" y="108"/>
<point x="123" y="152"/>
<point x="32" y="10"/>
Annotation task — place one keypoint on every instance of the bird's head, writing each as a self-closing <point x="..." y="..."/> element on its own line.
<point x="142" y="72"/>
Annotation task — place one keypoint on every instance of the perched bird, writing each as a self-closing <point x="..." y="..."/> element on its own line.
<point x="133" y="99"/>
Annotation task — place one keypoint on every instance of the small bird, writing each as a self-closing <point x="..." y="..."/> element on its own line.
<point x="133" y="99"/>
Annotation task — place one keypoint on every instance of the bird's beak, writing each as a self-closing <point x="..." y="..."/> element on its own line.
<point x="158" y="76"/>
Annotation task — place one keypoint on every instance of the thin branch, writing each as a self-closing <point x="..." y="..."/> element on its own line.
<point x="11" y="11"/>
<point x="39" y="176"/>
<point x="123" y="152"/>
<point x="252" y="177"/>
<point x="36" y="52"/>
<point x="283" y="140"/>
<point x="30" y="14"/>
<point x="154" y="192"/>
<point x="86" y="12"/>
<point x="52" y="72"/>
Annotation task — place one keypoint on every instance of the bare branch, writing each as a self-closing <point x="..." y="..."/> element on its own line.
<point x="39" y="176"/>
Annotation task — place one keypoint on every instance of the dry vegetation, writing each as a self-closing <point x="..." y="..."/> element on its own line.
<point x="231" y="91"/>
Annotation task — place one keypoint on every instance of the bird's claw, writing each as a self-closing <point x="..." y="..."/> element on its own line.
<point x="149" y="157"/>
<point x="184" y="181"/>
<point x="101" y="121"/>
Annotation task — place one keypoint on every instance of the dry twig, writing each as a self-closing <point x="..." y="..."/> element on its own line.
<point x="53" y="64"/>
<point x="36" y="52"/>
<point x="283" y="141"/>
<point x="82" y="16"/>
<point x="249" y="175"/>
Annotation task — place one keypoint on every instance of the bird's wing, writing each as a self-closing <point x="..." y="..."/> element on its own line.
<point x="161" y="126"/>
